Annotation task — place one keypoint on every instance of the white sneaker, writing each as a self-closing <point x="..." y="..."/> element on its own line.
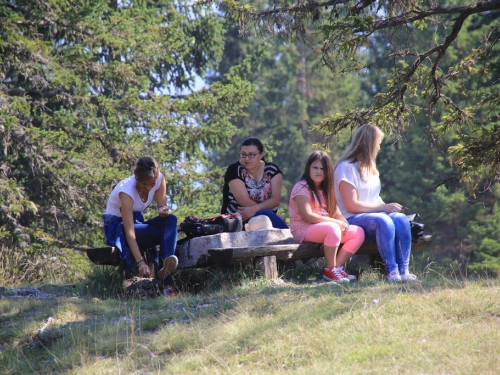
<point x="394" y="277"/>
<point x="169" y="265"/>
<point x="409" y="277"/>
<point x="345" y="274"/>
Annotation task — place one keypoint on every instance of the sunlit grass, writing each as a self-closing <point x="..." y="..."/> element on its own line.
<point x="444" y="325"/>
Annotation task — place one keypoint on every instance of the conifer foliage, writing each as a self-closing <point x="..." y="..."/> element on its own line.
<point x="427" y="76"/>
<point x="88" y="86"/>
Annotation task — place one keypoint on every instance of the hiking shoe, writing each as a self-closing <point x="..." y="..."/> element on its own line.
<point x="333" y="274"/>
<point x="409" y="277"/>
<point x="169" y="265"/>
<point x="394" y="277"/>
<point x="345" y="275"/>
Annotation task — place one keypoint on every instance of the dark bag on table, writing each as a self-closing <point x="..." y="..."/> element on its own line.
<point x="417" y="229"/>
<point x="195" y="226"/>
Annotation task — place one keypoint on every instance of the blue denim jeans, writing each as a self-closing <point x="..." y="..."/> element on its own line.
<point x="275" y="219"/>
<point x="158" y="231"/>
<point x="393" y="236"/>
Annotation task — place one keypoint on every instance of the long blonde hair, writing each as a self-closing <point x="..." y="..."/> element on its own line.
<point x="362" y="150"/>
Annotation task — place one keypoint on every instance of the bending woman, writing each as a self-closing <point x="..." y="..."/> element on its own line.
<point x="252" y="186"/>
<point x="126" y="229"/>
<point x="315" y="217"/>
<point x="357" y="185"/>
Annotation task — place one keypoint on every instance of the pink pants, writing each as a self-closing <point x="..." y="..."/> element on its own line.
<point x="329" y="234"/>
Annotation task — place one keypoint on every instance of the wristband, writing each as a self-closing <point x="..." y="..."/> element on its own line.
<point x="162" y="207"/>
<point x="140" y="260"/>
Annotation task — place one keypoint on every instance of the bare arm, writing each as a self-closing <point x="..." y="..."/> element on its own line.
<point x="239" y="191"/>
<point x="275" y="200"/>
<point x="161" y="200"/>
<point x="338" y="215"/>
<point x="306" y="212"/>
<point x="248" y="207"/>
<point x="353" y="204"/>
<point x="127" y="204"/>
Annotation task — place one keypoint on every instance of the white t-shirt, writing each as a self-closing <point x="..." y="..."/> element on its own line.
<point x="127" y="186"/>
<point x="368" y="191"/>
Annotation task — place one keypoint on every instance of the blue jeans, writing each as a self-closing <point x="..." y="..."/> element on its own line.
<point x="393" y="236"/>
<point x="158" y="231"/>
<point x="275" y="219"/>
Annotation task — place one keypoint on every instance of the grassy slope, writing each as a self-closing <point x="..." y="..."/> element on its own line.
<point x="442" y="326"/>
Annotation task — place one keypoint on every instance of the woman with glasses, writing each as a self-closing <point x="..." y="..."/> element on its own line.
<point x="357" y="188"/>
<point x="315" y="217"/>
<point x="252" y="186"/>
<point x="126" y="229"/>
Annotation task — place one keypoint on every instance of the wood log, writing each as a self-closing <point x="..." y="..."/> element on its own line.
<point x="241" y="255"/>
<point x="224" y="257"/>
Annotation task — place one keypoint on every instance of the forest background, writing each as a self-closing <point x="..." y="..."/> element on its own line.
<point x="87" y="87"/>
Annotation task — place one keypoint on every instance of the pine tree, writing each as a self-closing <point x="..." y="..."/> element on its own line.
<point x="423" y="77"/>
<point x="291" y="91"/>
<point x="86" y="88"/>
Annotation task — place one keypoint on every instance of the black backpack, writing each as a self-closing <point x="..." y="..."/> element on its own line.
<point x="417" y="229"/>
<point x="195" y="226"/>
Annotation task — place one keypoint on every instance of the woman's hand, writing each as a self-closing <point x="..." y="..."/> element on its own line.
<point x="163" y="211"/>
<point x="392" y="207"/>
<point x="247" y="212"/>
<point x="144" y="270"/>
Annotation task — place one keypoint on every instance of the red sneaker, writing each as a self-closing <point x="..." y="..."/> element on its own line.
<point x="333" y="274"/>
<point x="346" y="275"/>
<point x="170" y="291"/>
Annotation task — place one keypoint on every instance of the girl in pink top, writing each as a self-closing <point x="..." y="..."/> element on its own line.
<point x="315" y="217"/>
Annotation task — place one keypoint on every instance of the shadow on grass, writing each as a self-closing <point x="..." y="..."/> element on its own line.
<point x="107" y="282"/>
<point x="103" y="326"/>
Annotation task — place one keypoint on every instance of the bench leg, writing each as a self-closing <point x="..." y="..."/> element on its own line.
<point x="268" y="266"/>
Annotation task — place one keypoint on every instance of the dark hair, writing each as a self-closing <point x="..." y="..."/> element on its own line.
<point x="253" y="141"/>
<point x="146" y="168"/>
<point x="326" y="185"/>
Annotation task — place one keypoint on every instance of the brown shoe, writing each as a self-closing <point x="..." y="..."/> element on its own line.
<point x="169" y="265"/>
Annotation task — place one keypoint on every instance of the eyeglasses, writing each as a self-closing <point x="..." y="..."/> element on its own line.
<point x="248" y="156"/>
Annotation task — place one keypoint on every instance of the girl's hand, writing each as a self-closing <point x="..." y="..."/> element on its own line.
<point x="344" y="226"/>
<point x="163" y="211"/>
<point x="144" y="270"/>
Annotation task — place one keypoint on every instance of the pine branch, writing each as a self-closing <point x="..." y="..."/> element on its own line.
<point x="299" y="8"/>
<point x="387" y="23"/>
<point x="27" y="13"/>
<point x="403" y="19"/>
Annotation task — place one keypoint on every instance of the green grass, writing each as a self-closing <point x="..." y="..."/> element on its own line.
<point x="445" y="325"/>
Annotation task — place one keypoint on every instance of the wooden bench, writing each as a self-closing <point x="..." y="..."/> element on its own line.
<point x="271" y="254"/>
<point x="201" y="252"/>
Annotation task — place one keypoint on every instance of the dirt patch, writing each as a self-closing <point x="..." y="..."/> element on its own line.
<point x="143" y="287"/>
